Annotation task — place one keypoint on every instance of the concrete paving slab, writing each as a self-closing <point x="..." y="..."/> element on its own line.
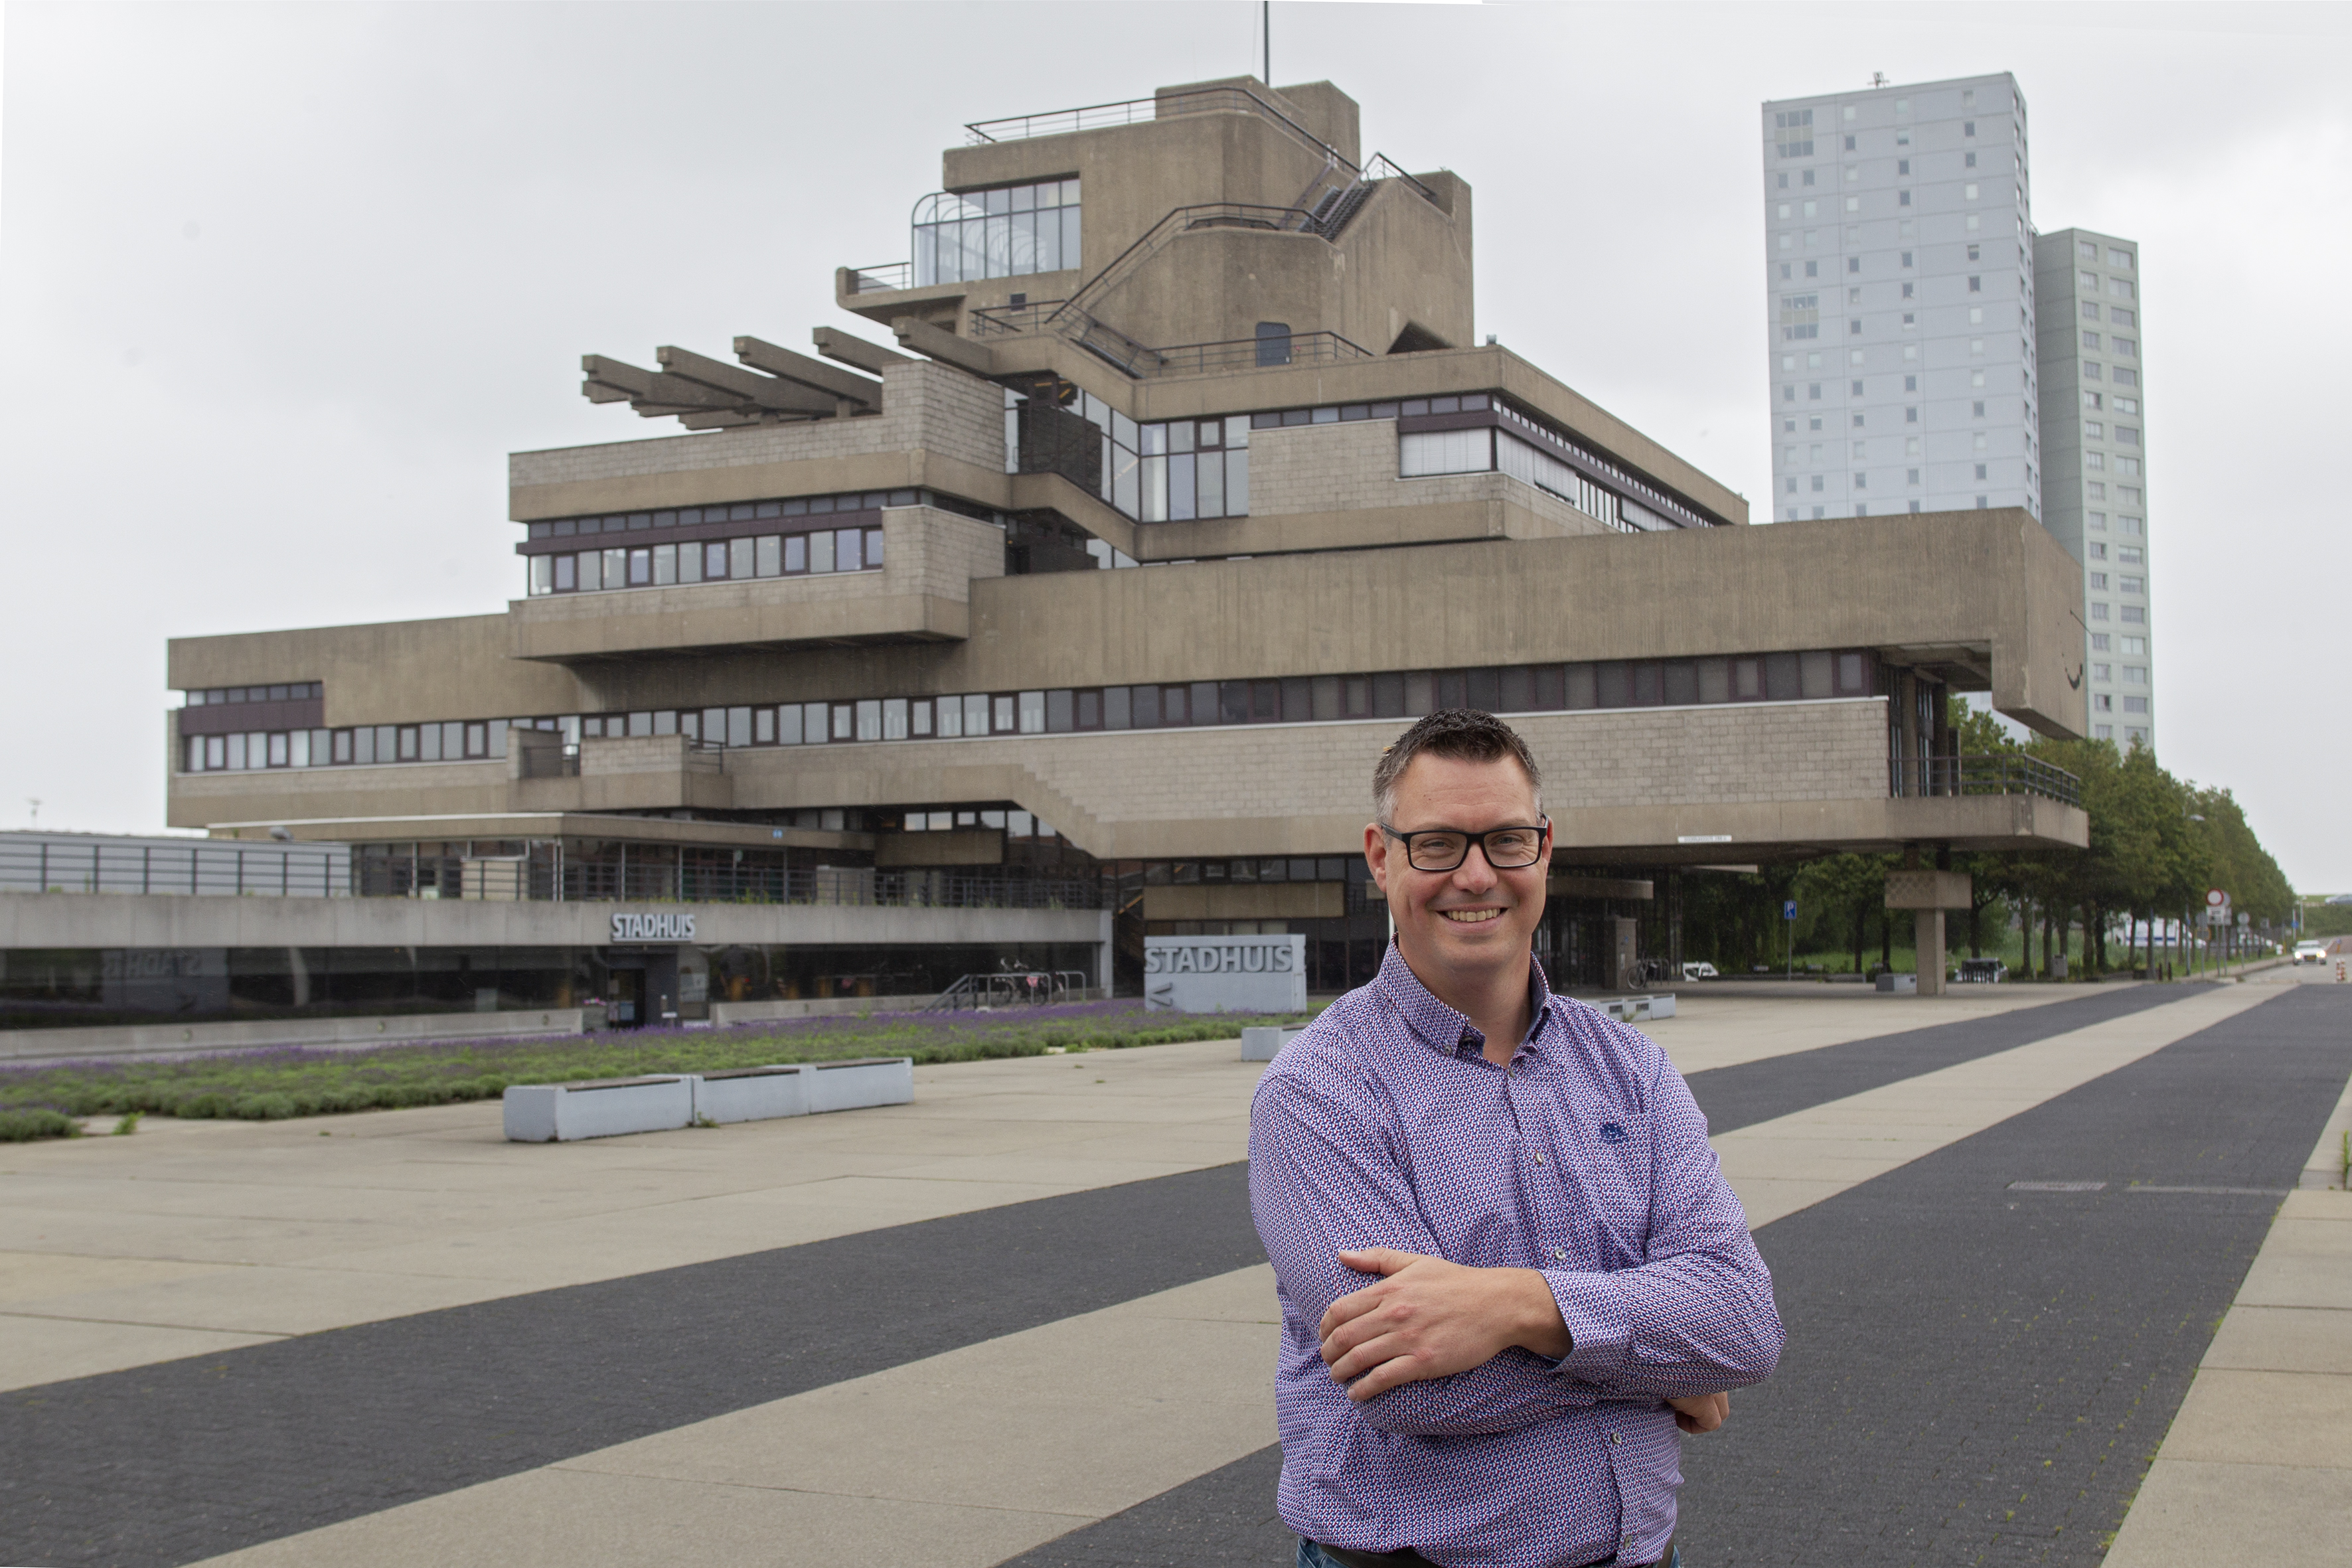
<point x="562" y="1518"/>
<point x="30" y="1278"/>
<point x="2293" y="1419"/>
<point x="34" y="1350"/>
<point x="2195" y="1514"/>
<point x="2285" y="1338"/>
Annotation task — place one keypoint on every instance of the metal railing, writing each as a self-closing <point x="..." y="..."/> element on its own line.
<point x="1992" y="772"/>
<point x="998" y="321"/>
<point x="1139" y="112"/>
<point x="1299" y="348"/>
<point x="666" y="881"/>
<point x="1009" y="988"/>
<point x="226" y="871"/>
<point x="889" y="276"/>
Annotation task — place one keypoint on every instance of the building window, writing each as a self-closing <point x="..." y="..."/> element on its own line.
<point x="963" y="236"/>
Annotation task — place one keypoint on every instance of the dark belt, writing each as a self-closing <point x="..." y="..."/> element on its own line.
<point x="1411" y="1559"/>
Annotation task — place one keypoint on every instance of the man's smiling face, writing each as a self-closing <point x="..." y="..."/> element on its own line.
<point x="1468" y="924"/>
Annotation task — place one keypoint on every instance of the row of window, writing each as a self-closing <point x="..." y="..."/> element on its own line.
<point x="2130" y="614"/>
<point x="1860" y="479"/>
<point x="1785" y="211"/>
<point x="2126" y="348"/>
<point x="2105" y="702"/>
<point x="2125" y="555"/>
<point x="2115" y="315"/>
<point x="2134" y="674"/>
<point x="1905" y="261"/>
<point x="2107" y="642"/>
<point x="1861" y="509"/>
<point x="2134" y="734"/>
<point x="1808" y="676"/>
<point x="2130" y="495"/>
<point x="2138" y="586"/>
<point x="708" y="560"/>
<point x="293" y="692"/>
<point x="1907" y="231"/>
<point x="1485" y="449"/>
<point x="736" y="512"/>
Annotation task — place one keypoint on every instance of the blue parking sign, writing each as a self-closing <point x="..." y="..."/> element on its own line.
<point x="1789" y="909"/>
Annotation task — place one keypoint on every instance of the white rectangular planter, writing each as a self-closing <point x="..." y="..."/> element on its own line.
<point x="601" y="1107"/>
<point x="1899" y="984"/>
<point x="1637" y="1009"/>
<point x="1262" y="1045"/>
<point x="855" y="1085"/>
<point x="751" y="1094"/>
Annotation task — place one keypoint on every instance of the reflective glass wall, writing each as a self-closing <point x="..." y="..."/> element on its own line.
<point x="1003" y="233"/>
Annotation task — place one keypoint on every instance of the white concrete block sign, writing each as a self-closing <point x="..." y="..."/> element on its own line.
<point x="1224" y="974"/>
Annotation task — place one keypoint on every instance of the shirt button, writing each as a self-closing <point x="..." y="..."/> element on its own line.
<point x="1540" y="1159"/>
<point x="1618" y="1437"/>
<point x="1559" y="1252"/>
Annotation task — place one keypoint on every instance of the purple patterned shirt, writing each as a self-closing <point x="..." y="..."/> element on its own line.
<point x="1383" y="1125"/>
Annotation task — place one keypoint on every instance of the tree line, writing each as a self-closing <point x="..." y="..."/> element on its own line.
<point x="2156" y="843"/>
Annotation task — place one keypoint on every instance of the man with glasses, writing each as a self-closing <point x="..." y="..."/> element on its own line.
<point x="1510" y="1270"/>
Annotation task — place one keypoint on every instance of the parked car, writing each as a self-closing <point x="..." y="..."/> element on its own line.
<point x="1981" y="972"/>
<point x="2311" y="949"/>
<point x="1699" y="969"/>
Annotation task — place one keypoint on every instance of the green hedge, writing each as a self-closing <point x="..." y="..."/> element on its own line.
<point x="273" y="1085"/>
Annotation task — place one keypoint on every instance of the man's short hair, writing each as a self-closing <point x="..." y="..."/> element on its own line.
<point x="1466" y="734"/>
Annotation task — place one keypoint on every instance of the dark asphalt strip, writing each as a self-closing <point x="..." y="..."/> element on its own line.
<point x="1979" y="1375"/>
<point x="1973" y="1374"/>
<point x="168" y="1463"/>
<point x="1758" y="1092"/>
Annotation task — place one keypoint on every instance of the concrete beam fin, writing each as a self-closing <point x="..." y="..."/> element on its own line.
<point x="616" y="373"/>
<point x="836" y="345"/>
<point x="944" y="346"/>
<point x="743" y="385"/>
<point x="800" y="369"/>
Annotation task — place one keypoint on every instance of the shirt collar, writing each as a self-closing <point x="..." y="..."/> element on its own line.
<point x="1441" y="1028"/>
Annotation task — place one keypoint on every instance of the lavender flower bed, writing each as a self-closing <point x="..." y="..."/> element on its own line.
<point x="42" y="1100"/>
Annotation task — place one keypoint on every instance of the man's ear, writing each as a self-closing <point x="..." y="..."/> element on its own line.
<point x="1376" y="854"/>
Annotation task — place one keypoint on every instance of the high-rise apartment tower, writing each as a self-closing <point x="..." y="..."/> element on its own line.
<point x="1899" y="274"/>
<point x="2096" y="482"/>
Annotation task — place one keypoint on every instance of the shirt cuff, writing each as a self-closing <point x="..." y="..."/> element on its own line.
<point x="1599" y="1326"/>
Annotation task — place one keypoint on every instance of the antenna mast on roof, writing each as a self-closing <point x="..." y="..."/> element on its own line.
<point x="1265" y="14"/>
<point x="1878" y="79"/>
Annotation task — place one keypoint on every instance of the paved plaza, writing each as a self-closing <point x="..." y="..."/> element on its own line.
<point x="1025" y="1320"/>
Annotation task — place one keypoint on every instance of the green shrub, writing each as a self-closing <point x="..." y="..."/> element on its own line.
<point x="24" y="1126"/>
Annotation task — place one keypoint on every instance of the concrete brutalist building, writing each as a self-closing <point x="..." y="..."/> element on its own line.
<point x="1081" y="611"/>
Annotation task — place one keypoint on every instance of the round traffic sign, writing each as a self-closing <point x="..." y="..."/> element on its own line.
<point x="2215" y="899"/>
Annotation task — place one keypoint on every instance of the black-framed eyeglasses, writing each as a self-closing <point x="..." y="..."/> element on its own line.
<point x="1444" y="848"/>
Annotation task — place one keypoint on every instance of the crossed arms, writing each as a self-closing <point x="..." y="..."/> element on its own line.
<point x="1434" y="1347"/>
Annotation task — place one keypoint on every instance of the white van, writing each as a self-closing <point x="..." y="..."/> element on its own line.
<point x="1699" y="970"/>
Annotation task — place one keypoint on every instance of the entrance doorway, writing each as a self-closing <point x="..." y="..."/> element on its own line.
<point x="624" y="999"/>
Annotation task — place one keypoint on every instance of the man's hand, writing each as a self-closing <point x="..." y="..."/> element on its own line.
<point x="1701" y="1412"/>
<point x="1427" y="1317"/>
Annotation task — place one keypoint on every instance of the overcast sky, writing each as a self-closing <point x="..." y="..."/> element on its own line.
<point x="283" y="285"/>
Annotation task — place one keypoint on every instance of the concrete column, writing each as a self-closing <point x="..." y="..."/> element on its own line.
<point x="1928" y="926"/>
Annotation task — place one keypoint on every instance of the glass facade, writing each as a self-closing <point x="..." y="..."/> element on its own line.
<point x="964" y="236"/>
